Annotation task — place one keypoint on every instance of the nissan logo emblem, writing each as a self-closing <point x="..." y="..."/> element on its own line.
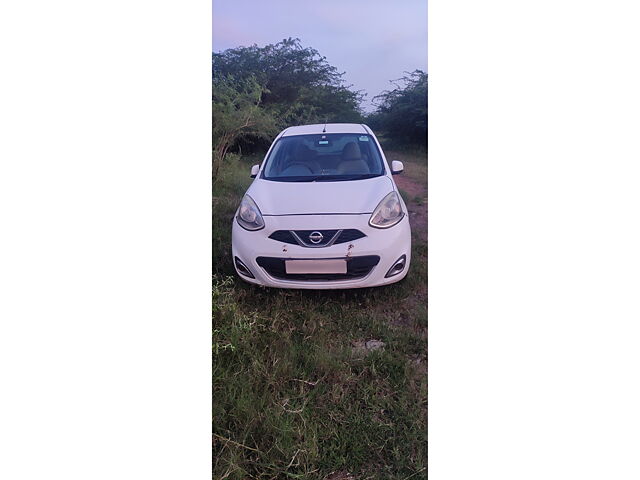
<point x="315" y="237"/>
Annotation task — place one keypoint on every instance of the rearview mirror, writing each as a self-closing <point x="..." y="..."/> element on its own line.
<point x="254" y="171"/>
<point x="396" y="167"/>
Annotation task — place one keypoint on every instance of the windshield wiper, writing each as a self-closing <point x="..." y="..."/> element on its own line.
<point x="324" y="178"/>
<point x="359" y="176"/>
<point x="303" y="179"/>
<point x="293" y="179"/>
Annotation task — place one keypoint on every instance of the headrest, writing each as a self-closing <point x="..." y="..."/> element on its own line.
<point x="353" y="166"/>
<point x="351" y="151"/>
<point x="302" y="152"/>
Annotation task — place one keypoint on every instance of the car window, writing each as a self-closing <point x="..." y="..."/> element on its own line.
<point x="324" y="157"/>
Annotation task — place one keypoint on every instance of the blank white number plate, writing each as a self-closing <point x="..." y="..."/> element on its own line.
<point x="315" y="266"/>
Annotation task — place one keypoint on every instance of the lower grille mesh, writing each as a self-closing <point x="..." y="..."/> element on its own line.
<point x="357" y="267"/>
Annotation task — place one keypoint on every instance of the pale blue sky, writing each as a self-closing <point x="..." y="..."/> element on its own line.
<point x="373" y="41"/>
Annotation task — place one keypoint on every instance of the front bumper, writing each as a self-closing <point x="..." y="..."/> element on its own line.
<point x="387" y="244"/>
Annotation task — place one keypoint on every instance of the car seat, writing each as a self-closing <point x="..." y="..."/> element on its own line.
<point x="303" y="156"/>
<point x="351" y="161"/>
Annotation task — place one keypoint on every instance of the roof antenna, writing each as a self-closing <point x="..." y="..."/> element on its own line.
<point x="324" y="129"/>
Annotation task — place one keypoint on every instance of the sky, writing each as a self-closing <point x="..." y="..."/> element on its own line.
<point x="372" y="41"/>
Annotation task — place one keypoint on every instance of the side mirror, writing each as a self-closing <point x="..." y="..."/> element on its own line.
<point x="396" y="167"/>
<point x="254" y="171"/>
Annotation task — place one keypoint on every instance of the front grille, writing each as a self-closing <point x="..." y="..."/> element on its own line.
<point x="283" y="236"/>
<point x="287" y="236"/>
<point x="357" y="267"/>
<point x="304" y="237"/>
<point x="349" y="235"/>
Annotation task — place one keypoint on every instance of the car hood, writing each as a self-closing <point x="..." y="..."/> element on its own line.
<point x="296" y="198"/>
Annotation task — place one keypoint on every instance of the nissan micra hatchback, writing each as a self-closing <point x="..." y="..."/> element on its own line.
<point x="323" y="212"/>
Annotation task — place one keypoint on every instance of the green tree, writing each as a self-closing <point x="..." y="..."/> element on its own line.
<point x="401" y="113"/>
<point x="237" y="113"/>
<point x="299" y="85"/>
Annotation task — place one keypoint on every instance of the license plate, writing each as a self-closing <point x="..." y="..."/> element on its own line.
<point x="315" y="266"/>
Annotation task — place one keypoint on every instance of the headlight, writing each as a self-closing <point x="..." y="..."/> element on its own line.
<point x="387" y="213"/>
<point x="249" y="216"/>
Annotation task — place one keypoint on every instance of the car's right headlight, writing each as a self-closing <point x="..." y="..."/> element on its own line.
<point x="388" y="212"/>
<point x="249" y="216"/>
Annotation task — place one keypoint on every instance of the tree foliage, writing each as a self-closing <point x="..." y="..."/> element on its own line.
<point x="297" y="82"/>
<point x="237" y="114"/>
<point x="402" y="112"/>
<point x="278" y="86"/>
<point x="284" y="69"/>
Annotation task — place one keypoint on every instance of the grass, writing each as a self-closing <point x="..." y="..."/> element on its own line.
<point x="295" y="395"/>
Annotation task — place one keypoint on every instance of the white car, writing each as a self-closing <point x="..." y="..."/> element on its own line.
<point x="322" y="213"/>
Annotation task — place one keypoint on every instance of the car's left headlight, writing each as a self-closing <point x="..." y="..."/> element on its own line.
<point x="388" y="212"/>
<point x="249" y="216"/>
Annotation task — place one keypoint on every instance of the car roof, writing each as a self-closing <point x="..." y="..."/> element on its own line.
<point x="327" y="127"/>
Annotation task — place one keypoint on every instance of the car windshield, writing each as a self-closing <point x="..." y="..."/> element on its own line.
<point x="324" y="157"/>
